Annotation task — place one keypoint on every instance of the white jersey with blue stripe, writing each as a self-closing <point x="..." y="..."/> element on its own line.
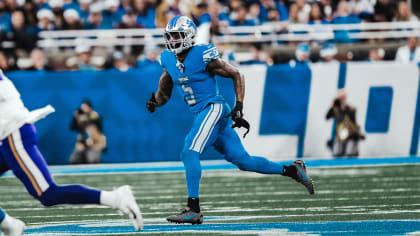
<point x="197" y="86"/>
<point x="13" y="112"/>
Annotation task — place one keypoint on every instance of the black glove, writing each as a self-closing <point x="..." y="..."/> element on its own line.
<point x="237" y="117"/>
<point x="151" y="104"/>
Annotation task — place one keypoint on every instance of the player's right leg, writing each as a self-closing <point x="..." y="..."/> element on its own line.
<point x="19" y="150"/>
<point x="229" y="144"/>
<point x="10" y="226"/>
<point x="202" y="134"/>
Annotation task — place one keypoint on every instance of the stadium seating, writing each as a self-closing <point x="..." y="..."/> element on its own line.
<point x="270" y="27"/>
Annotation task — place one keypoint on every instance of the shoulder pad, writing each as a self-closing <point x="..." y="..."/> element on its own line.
<point x="210" y="53"/>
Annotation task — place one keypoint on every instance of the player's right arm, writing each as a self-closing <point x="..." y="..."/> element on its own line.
<point x="163" y="93"/>
<point x="165" y="88"/>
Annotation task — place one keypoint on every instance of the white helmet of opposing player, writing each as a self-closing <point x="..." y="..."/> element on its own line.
<point x="179" y="34"/>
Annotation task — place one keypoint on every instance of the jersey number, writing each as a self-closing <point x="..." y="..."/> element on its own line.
<point x="189" y="97"/>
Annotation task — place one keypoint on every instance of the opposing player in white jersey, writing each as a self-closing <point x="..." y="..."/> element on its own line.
<point x="19" y="152"/>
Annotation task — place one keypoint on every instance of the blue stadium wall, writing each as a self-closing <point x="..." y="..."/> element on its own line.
<point x="285" y="105"/>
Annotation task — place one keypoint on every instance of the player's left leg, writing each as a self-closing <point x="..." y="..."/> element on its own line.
<point x="229" y="144"/>
<point x="23" y="157"/>
<point x="10" y="226"/>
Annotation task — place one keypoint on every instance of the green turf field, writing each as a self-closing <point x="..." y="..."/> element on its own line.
<point x="232" y="196"/>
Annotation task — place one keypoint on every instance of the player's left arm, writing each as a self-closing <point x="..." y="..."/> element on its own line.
<point x="224" y="69"/>
<point x="219" y="67"/>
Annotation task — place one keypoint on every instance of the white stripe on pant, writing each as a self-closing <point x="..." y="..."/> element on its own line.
<point x="29" y="163"/>
<point x="207" y="127"/>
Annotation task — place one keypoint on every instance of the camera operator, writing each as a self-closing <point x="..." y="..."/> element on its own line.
<point x="347" y="131"/>
<point x="90" y="142"/>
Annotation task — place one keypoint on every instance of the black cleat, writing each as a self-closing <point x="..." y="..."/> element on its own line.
<point x="187" y="216"/>
<point x="300" y="175"/>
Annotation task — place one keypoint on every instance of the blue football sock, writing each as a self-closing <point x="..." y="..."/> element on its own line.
<point x="69" y="194"/>
<point x="191" y="160"/>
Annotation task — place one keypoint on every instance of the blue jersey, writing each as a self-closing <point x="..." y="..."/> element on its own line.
<point x="196" y="85"/>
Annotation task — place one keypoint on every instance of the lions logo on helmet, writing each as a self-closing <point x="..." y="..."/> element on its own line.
<point x="179" y="34"/>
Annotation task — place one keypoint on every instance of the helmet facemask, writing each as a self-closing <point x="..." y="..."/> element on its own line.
<point x="178" y="41"/>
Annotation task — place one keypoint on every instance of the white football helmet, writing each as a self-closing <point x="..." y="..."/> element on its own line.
<point x="179" y="34"/>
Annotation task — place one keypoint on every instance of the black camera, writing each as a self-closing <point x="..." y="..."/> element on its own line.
<point x="80" y="111"/>
<point x="337" y="103"/>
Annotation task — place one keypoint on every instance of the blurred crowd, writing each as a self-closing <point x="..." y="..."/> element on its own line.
<point x="33" y="16"/>
<point x="22" y="20"/>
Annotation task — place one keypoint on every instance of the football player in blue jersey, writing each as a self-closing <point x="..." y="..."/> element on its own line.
<point x="192" y="69"/>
